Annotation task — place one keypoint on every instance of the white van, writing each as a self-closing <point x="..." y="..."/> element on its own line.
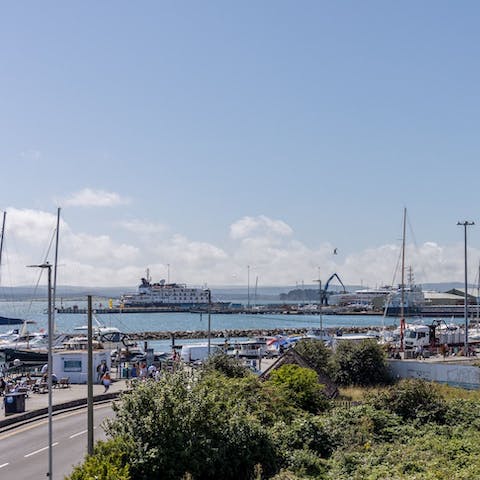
<point x="197" y="352"/>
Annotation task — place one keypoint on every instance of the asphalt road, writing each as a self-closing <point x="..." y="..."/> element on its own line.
<point x="24" y="450"/>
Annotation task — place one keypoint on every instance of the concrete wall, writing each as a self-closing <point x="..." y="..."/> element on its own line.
<point x="456" y="375"/>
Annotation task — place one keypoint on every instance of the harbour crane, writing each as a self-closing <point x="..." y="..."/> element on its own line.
<point x="323" y="296"/>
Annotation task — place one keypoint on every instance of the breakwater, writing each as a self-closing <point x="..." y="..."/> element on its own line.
<point x="238" y="333"/>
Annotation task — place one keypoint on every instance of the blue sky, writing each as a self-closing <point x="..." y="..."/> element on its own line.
<point x="215" y="135"/>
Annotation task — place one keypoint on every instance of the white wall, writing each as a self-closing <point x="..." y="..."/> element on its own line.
<point x="74" y="364"/>
<point x="464" y="376"/>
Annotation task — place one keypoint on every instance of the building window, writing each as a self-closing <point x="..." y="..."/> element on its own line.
<point x="72" y="365"/>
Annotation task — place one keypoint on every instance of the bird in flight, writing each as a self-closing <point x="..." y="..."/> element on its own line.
<point x="335" y="251"/>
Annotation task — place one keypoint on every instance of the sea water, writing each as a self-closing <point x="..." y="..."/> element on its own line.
<point x="148" y="322"/>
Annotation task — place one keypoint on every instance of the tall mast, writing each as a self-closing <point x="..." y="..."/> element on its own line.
<point x="478" y="293"/>
<point x="54" y="290"/>
<point x="3" y="233"/>
<point x="320" y="299"/>
<point x="402" y="286"/>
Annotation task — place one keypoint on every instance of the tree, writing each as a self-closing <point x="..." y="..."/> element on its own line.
<point x="360" y="363"/>
<point x="179" y="427"/>
<point x="108" y="462"/>
<point x="301" y="387"/>
<point x="225" y="364"/>
<point x="316" y="353"/>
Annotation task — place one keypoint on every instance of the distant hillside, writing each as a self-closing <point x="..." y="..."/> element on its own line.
<point x="219" y="293"/>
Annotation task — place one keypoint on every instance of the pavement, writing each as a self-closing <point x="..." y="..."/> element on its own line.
<point x="36" y="404"/>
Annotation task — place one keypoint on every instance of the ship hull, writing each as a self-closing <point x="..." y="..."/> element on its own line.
<point x="407" y="311"/>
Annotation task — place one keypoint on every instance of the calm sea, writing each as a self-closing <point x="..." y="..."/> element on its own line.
<point x="138" y="322"/>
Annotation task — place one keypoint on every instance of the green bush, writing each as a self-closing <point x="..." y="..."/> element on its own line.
<point x="179" y="427"/>
<point x="304" y="432"/>
<point x="316" y="353"/>
<point x="108" y="462"/>
<point x="412" y="399"/>
<point x="301" y="387"/>
<point x="225" y="364"/>
<point x="308" y="464"/>
<point x="359" y="364"/>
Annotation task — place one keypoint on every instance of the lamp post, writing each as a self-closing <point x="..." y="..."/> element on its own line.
<point x="466" y="224"/>
<point x="48" y="266"/>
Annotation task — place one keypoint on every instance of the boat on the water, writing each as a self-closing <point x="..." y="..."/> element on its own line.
<point x="411" y="297"/>
<point x="165" y="294"/>
<point x="10" y="321"/>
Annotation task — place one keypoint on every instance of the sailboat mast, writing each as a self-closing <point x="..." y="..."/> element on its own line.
<point x="54" y="290"/>
<point x="3" y="232"/>
<point x="402" y="286"/>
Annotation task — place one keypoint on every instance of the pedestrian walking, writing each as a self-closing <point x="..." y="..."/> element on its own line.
<point x="106" y="380"/>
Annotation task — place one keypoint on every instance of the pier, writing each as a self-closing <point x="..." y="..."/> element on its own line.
<point x="221" y="309"/>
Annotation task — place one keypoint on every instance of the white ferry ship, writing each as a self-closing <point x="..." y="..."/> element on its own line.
<point x="165" y="294"/>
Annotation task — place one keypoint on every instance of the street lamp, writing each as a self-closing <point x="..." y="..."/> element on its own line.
<point x="466" y="224"/>
<point x="48" y="266"/>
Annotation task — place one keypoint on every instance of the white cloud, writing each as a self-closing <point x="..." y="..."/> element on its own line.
<point x="267" y="246"/>
<point x="95" y="198"/>
<point x="259" y="226"/>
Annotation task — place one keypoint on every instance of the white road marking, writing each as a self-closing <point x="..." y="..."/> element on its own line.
<point x="80" y="433"/>
<point x="4" y="465"/>
<point x="39" y="423"/>
<point x="38" y="451"/>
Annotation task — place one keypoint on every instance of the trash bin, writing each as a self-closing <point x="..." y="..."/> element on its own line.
<point x="14" y="403"/>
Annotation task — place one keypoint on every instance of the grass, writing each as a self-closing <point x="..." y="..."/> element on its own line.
<point x="357" y="394"/>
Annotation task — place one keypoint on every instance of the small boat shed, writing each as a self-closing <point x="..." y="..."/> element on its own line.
<point x="73" y="364"/>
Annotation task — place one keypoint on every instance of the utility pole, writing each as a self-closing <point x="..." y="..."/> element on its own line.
<point x="90" y="379"/>
<point x="209" y="320"/>
<point x="465" y="224"/>
<point x="402" y="286"/>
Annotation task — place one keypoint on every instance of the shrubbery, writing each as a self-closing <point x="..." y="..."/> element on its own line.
<point x="226" y="423"/>
<point x="359" y="364"/>
<point x="412" y="399"/>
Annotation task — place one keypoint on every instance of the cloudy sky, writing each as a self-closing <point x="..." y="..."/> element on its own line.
<point x="203" y="137"/>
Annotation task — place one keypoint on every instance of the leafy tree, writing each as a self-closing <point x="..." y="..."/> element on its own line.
<point x="316" y="353"/>
<point x="301" y="387"/>
<point x="225" y="364"/>
<point x="108" y="462"/>
<point x="265" y="401"/>
<point x="360" y="363"/>
<point x="178" y="427"/>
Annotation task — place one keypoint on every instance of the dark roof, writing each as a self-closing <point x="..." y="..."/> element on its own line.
<point x="292" y="357"/>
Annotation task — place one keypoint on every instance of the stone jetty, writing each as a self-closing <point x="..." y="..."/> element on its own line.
<point x="235" y="333"/>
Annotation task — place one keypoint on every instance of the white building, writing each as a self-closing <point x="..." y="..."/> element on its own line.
<point x="73" y="364"/>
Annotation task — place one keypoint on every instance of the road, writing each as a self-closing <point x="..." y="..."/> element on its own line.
<point x="24" y="450"/>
